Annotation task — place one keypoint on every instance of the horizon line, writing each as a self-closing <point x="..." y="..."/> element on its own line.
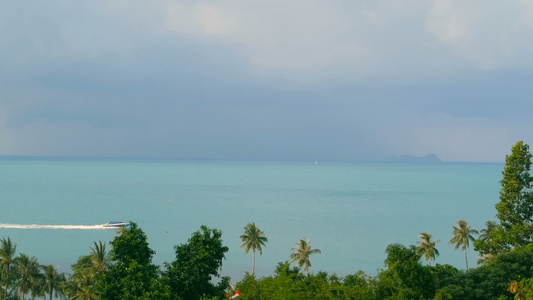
<point x="391" y="160"/>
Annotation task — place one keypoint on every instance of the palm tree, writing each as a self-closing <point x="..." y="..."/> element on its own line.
<point x="99" y="256"/>
<point x="81" y="287"/>
<point x="427" y="247"/>
<point x="28" y="274"/>
<point x="7" y="257"/>
<point x="301" y="254"/>
<point x="81" y="284"/>
<point x="462" y="236"/>
<point x="485" y="258"/>
<point x="37" y="288"/>
<point x="485" y="233"/>
<point x="253" y="238"/>
<point x="52" y="280"/>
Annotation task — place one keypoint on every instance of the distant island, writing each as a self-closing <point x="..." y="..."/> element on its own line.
<point x="428" y="158"/>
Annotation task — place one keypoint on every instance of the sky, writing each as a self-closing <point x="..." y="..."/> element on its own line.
<point x="266" y="80"/>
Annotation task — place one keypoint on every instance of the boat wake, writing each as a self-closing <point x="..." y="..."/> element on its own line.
<point x="35" y="226"/>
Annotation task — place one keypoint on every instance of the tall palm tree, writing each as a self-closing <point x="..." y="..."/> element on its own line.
<point x="301" y="254"/>
<point x="52" y="280"/>
<point x="7" y="258"/>
<point x="28" y="271"/>
<point x="462" y="236"/>
<point x="427" y="247"/>
<point x="37" y="288"/>
<point x="253" y="238"/>
<point x="99" y="256"/>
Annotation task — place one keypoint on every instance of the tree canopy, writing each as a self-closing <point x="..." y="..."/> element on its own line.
<point x="515" y="209"/>
<point x="405" y="277"/>
<point x="130" y="273"/>
<point x="197" y="262"/>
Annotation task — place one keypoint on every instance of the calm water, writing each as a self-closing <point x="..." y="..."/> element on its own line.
<point x="351" y="212"/>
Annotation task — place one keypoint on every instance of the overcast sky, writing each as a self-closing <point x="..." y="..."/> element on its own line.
<point x="280" y="80"/>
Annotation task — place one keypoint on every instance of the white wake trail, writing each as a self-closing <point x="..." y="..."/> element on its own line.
<point x="36" y="226"/>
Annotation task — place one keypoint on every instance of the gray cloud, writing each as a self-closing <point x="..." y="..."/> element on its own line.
<point x="276" y="80"/>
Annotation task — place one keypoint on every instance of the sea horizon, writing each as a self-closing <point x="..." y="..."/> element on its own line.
<point x="287" y="160"/>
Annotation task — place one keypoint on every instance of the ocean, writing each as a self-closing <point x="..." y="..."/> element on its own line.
<point x="350" y="211"/>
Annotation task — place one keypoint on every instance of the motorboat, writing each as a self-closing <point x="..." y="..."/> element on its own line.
<point x="116" y="224"/>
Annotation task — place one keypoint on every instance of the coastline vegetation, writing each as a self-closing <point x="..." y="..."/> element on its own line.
<point x="125" y="270"/>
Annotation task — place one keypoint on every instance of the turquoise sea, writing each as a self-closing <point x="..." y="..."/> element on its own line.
<point x="350" y="211"/>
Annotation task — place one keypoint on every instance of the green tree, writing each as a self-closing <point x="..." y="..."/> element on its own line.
<point x="301" y="254"/>
<point x="7" y="258"/>
<point x="99" y="256"/>
<point x="491" y="281"/>
<point x="53" y="281"/>
<point x="462" y="236"/>
<point x="253" y="238"/>
<point x="515" y="209"/>
<point x="289" y="283"/>
<point x="485" y="233"/>
<point x="483" y="243"/>
<point x="522" y="290"/>
<point x="359" y="286"/>
<point x="81" y="284"/>
<point x="130" y="274"/>
<point x="28" y="274"/>
<point x="444" y="274"/>
<point x="405" y="277"/>
<point x="427" y="247"/>
<point x="249" y="287"/>
<point x="197" y="262"/>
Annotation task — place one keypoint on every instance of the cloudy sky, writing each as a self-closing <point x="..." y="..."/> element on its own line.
<point x="282" y="80"/>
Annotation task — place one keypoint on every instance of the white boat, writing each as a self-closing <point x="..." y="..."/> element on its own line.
<point x="116" y="224"/>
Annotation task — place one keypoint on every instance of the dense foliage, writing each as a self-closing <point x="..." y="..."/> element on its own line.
<point x="130" y="273"/>
<point x="291" y="283"/>
<point x="492" y="280"/>
<point x="22" y="275"/>
<point x="404" y="277"/>
<point x="515" y="209"/>
<point x="197" y="262"/>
